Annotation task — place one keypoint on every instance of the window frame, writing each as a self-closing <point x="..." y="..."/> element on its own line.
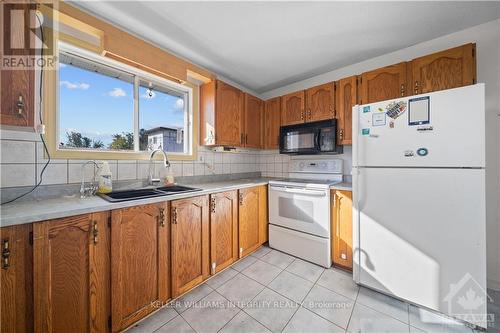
<point x="51" y="104"/>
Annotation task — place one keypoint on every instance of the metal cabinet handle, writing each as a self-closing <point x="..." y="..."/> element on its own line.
<point x="341" y="134"/>
<point x="416" y="87"/>
<point x="95" y="232"/>
<point x="402" y="90"/>
<point x="6" y="254"/>
<point x="20" y="104"/>
<point x="174" y="216"/>
<point x="212" y="204"/>
<point x="161" y="217"/>
<point x="240" y="198"/>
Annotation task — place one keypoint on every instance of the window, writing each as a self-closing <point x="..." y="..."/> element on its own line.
<point x="107" y="106"/>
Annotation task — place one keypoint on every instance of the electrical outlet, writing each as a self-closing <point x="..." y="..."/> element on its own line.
<point x="40" y="129"/>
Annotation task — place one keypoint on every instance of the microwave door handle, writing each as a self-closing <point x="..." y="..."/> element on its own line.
<point x="318" y="140"/>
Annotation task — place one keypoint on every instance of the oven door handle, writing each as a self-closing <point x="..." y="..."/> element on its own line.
<point x="314" y="193"/>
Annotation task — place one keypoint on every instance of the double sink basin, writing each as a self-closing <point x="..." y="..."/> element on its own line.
<point x="143" y="193"/>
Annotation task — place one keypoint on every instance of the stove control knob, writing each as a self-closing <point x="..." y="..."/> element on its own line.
<point x="323" y="165"/>
<point x="301" y="165"/>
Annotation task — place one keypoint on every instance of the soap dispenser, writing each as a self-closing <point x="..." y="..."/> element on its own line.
<point x="105" y="182"/>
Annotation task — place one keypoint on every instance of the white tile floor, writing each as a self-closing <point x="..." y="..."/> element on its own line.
<point x="270" y="291"/>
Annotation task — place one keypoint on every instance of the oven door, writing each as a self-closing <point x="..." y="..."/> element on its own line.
<point x="302" y="209"/>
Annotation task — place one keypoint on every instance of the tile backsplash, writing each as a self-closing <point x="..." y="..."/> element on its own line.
<point x="22" y="159"/>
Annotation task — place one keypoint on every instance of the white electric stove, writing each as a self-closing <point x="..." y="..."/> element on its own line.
<point x="299" y="209"/>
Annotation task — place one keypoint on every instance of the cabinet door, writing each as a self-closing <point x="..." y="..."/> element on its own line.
<point x="248" y="220"/>
<point x="320" y="101"/>
<point x="342" y="228"/>
<point x="384" y="83"/>
<point x="272" y="123"/>
<point x="16" y="276"/>
<point x="190" y="243"/>
<point x="229" y="115"/>
<point x="263" y="217"/>
<point x="223" y="230"/>
<point x="447" y="69"/>
<point x="292" y="108"/>
<point x="17" y="93"/>
<point x="139" y="262"/>
<point x="71" y="274"/>
<point x="347" y="95"/>
<point x="253" y="121"/>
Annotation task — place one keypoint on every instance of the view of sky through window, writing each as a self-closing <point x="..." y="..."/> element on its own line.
<point x="96" y="109"/>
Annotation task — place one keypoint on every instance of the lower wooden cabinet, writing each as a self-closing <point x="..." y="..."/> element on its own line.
<point x="71" y="274"/>
<point x="252" y="219"/>
<point x="189" y="243"/>
<point x="140" y="267"/>
<point x="342" y="228"/>
<point x="263" y="216"/>
<point x="223" y="230"/>
<point x="16" y="276"/>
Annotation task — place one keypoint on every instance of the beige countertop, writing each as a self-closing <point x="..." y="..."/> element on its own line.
<point x="46" y="209"/>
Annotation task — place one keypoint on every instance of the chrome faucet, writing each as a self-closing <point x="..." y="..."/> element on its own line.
<point x="92" y="189"/>
<point x="151" y="180"/>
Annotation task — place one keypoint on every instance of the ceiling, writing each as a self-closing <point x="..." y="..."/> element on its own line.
<point x="266" y="45"/>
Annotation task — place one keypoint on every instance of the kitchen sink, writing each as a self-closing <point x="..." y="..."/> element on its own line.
<point x="126" y="195"/>
<point x="177" y="189"/>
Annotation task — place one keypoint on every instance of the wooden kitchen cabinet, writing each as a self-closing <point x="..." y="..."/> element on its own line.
<point x="384" y="83"/>
<point x="252" y="219"/>
<point x="221" y="115"/>
<point x="190" y="243"/>
<point x="342" y="228"/>
<point x="18" y="86"/>
<point x="347" y="96"/>
<point x="223" y="230"/>
<point x="16" y="276"/>
<point x="447" y="69"/>
<point x="263" y="216"/>
<point x="272" y="123"/>
<point x="293" y="108"/>
<point x="71" y="268"/>
<point x="140" y="267"/>
<point x="253" y="118"/>
<point x="320" y="102"/>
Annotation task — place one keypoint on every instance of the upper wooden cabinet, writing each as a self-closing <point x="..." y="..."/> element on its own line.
<point x="16" y="276"/>
<point x="347" y="95"/>
<point x="190" y="243"/>
<point x="384" y="83"/>
<point x="18" y="86"/>
<point x="342" y="228"/>
<point x="253" y="117"/>
<point x="320" y="102"/>
<point x="71" y="274"/>
<point x="272" y="123"/>
<point x="223" y="230"/>
<point x="140" y="266"/>
<point x="293" y="108"/>
<point x="221" y="115"/>
<point x="447" y="69"/>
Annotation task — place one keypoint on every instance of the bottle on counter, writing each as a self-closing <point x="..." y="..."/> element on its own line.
<point x="105" y="182"/>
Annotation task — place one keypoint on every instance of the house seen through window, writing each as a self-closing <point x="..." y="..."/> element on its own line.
<point x="106" y="108"/>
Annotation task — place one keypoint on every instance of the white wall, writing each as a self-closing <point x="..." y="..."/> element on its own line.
<point x="487" y="39"/>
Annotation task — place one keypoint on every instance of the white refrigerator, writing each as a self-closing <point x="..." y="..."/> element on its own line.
<point x="419" y="200"/>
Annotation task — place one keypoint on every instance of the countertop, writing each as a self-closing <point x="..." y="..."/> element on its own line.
<point x="41" y="210"/>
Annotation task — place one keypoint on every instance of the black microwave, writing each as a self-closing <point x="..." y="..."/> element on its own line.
<point x="318" y="137"/>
